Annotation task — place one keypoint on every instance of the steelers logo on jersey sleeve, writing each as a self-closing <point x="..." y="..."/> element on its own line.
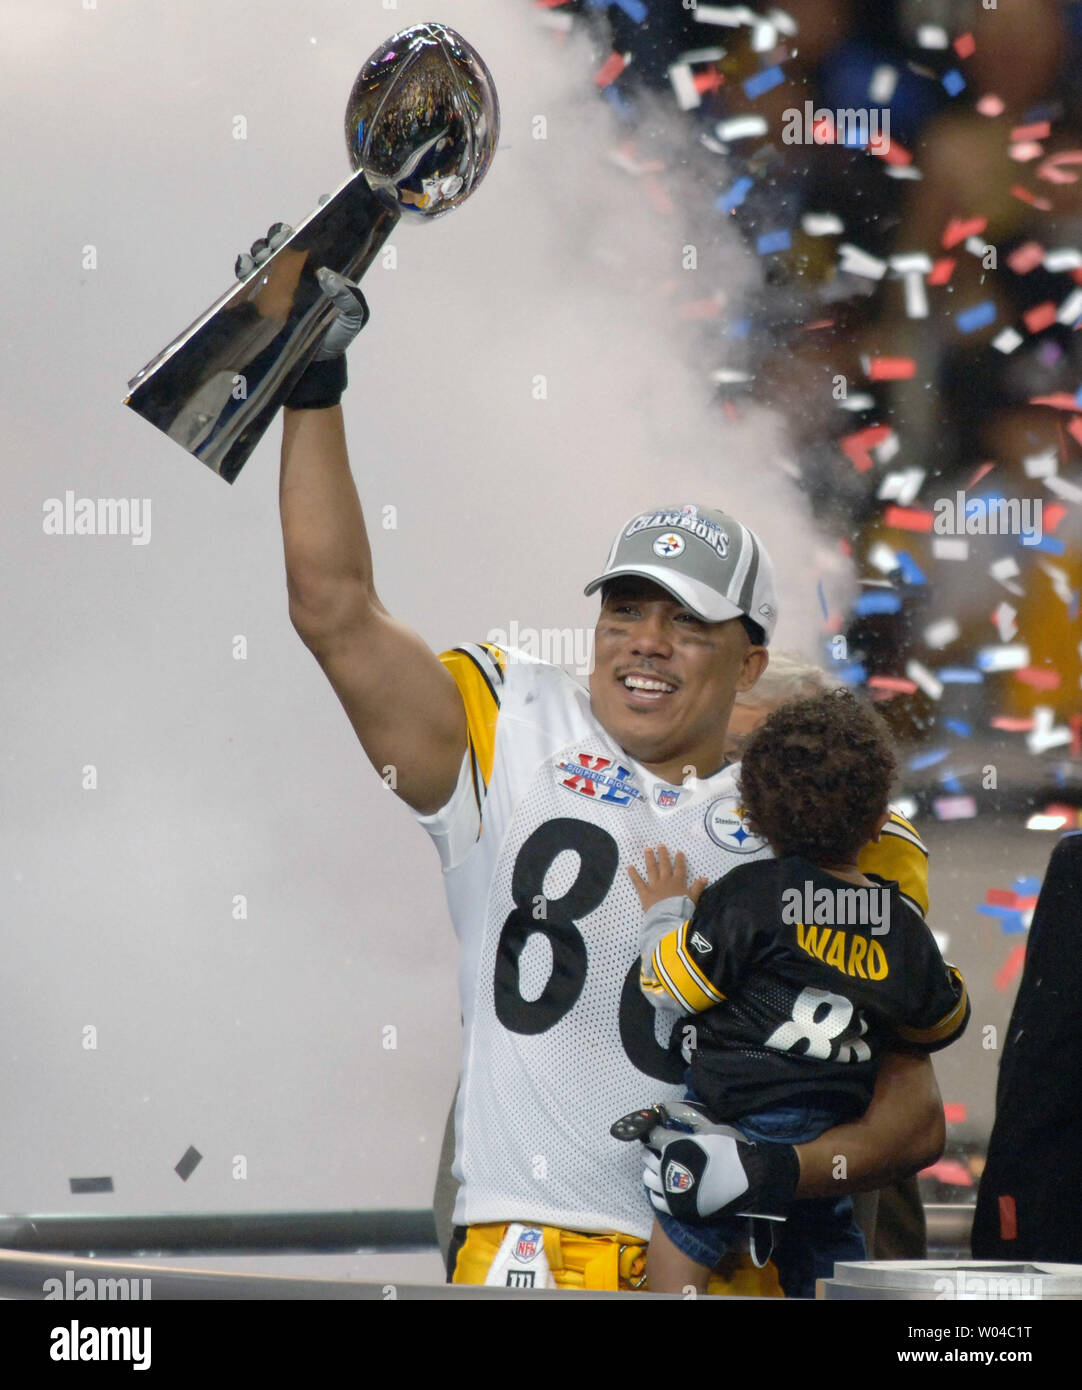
<point x="727" y="825"/>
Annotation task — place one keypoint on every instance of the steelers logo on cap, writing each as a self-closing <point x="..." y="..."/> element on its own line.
<point x="669" y="545"/>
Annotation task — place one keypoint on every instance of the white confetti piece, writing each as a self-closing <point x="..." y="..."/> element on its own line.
<point x="1062" y="258"/>
<point x="932" y="36"/>
<point x="901" y="486"/>
<point x="1045" y="733"/>
<point x="1042" y="465"/>
<point x="1007" y="341"/>
<point x="1004" y="619"/>
<point x="954" y="807"/>
<point x="1003" y="571"/>
<point x="1071" y="307"/>
<point x="740" y="127"/>
<point x="1011" y="658"/>
<point x="940" y="634"/>
<point x="822" y="224"/>
<point x="1070" y="492"/>
<point x="920" y="675"/>
<point x="883" y="558"/>
<point x="687" y="94"/>
<point x="883" y="84"/>
<point x="861" y="401"/>
<point x="950" y="548"/>
<point x="854" y="261"/>
<point x="1061" y="582"/>
<point x="732" y="16"/>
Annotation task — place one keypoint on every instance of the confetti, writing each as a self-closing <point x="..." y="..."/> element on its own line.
<point x="1006" y="976"/>
<point x="1003" y="571"/>
<point x="1026" y="257"/>
<point x="854" y="261"/>
<point x="950" y="548"/>
<point x="1040" y="316"/>
<point x="730" y="15"/>
<point x="1063" y="258"/>
<point x="1041" y="465"/>
<point x="1053" y="172"/>
<point x="959" y="727"/>
<point x="735" y="195"/>
<point x="991" y="105"/>
<point x="954" y="807"/>
<point x="1025" y="152"/>
<point x="908" y="518"/>
<point x="1007" y="341"/>
<point x="822" y="224"/>
<point x="892" y="368"/>
<point x="956" y="1115"/>
<point x="1011" y="658"/>
<point x="884" y="82"/>
<point x="1039" y="679"/>
<point x="965" y="45"/>
<point x="1004" y="619"/>
<point x="770" y="242"/>
<point x="942" y="633"/>
<point x="1045" y="734"/>
<point x="687" y="94"/>
<point x="953" y="82"/>
<point x="879" y="602"/>
<point x="82" y="1185"/>
<point x="932" y="36"/>
<point x="1071" y="309"/>
<point x="764" y="81"/>
<point x="895" y="684"/>
<point x="189" y="1162"/>
<point x="739" y="127"/>
<point x="920" y="761"/>
<point x="857" y="447"/>
<point x="903" y="486"/>
<point x="979" y="316"/>
<point x="911" y="571"/>
<point x="1025" y="196"/>
<point x="959" y="675"/>
<point x="611" y="68"/>
<point x="959" y="228"/>
<point x="919" y="674"/>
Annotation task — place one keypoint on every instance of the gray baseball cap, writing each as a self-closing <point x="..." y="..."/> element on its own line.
<point x="706" y="559"/>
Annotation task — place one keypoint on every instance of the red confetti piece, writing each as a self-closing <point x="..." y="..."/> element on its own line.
<point x="819" y="323"/>
<point x="958" y="228"/>
<point x="980" y="473"/>
<point x="942" y="271"/>
<point x="949" y="1171"/>
<point x="1070" y="814"/>
<point x="1074" y="429"/>
<point x="1011" y="968"/>
<point x="1008" y="1218"/>
<point x="1075" y="723"/>
<point x="897" y="685"/>
<point x="708" y="81"/>
<point x="1010" y="725"/>
<point x="1026" y="258"/>
<point x="1052" y="170"/>
<point x="908" y="518"/>
<point x="1039" y="130"/>
<point x="657" y="196"/>
<point x="700" y="309"/>
<point x="610" y="69"/>
<point x="1061" y="400"/>
<point x="965" y="45"/>
<point x="956" y="1115"/>
<point x="991" y="105"/>
<point x="1001" y="897"/>
<point x="1038" y="677"/>
<point x="856" y="446"/>
<point x="1026" y="904"/>
<point x="845" y="546"/>
<point x="1040" y="316"/>
<point x="889" y="151"/>
<point x="1025" y="196"/>
<point x="1054" y="512"/>
<point x="892" y="369"/>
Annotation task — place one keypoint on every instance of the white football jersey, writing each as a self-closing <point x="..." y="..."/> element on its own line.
<point x="559" y="1039"/>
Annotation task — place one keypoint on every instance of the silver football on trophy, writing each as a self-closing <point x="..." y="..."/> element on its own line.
<point x="423" y="121"/>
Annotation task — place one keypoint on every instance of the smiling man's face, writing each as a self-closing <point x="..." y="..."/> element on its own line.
<point x="664" y="680"/>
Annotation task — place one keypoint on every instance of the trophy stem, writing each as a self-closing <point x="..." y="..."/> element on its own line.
<point x="217" y="386"/>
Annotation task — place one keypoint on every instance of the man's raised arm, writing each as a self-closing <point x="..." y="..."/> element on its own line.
<point x="401" y="700"/>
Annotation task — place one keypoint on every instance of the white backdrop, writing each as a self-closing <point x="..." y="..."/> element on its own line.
<point x="126" y="198"/>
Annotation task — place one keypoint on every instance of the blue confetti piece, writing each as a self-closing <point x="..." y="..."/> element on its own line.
<point x="954" y="82"/>
<point x="617" y="99"/>
<point x="770" y="242"/>
<point x="734" y="196"/>
<point x="994" y="910"/>
<point x="822" y="598"/>
<point x="959" y="675"/>
<point x="959" y="727"/>
<point x="852" y="675"/>
<point x="1078" y="396"/>
<point x="911" y="571"/>
<point x="764" y="81"/>
<point x="980" y="316"/>
<point x="950" y="783"/>
<point x="634" y="9"/>
<point x="877" y="602"/>
<point x="739" y="328"/>
<point x="919" y="761"/>
<point x="1012" y="923"/>
<point x="1026" y="887"/>
<point x="1048" y="544"/>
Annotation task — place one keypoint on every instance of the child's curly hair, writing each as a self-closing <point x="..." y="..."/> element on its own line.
<point x="816" y="777"/>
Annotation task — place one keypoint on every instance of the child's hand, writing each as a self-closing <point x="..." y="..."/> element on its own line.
<point x="665" y="878"/>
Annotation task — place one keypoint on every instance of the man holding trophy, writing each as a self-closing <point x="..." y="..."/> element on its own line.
<point x="508" y="763"/>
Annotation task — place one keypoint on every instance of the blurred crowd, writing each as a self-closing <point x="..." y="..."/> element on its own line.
<point x="907" y="175"/>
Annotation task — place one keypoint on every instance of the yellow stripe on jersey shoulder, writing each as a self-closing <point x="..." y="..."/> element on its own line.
<point x="680" y="977"/>
<point x="899" y="854"/>
<point x="947" y="1026"/>
<point x="479" y="671"/>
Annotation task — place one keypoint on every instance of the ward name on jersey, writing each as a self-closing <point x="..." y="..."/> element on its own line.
<point x="535" y="843"/>
<point x="787" y="1009"/>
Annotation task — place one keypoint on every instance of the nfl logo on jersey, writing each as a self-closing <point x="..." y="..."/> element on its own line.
<point x="666" y="797"/>
<point x="528" y="1245"/>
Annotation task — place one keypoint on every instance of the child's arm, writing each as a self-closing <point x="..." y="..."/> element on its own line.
<point x="667" y="904"/>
